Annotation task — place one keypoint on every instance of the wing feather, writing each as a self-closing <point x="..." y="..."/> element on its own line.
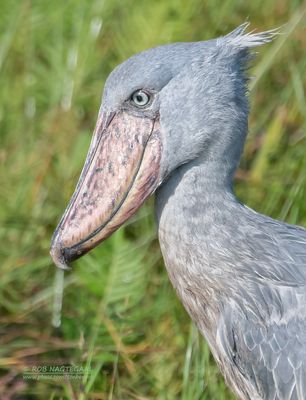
<point x="267" y="317"/>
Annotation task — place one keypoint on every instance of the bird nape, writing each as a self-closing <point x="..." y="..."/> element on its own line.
<point x="173" y="121"/>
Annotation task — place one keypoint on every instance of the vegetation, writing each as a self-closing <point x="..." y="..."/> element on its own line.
<point x="121" y="316"/>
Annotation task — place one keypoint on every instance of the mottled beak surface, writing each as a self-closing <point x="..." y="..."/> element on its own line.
<point x="120" y="172"/>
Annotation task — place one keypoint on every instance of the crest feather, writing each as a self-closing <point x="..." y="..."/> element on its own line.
<point x="242" y="40"/>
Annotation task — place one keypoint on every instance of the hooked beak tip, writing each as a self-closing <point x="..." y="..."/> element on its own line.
<point x="57" y="253"/>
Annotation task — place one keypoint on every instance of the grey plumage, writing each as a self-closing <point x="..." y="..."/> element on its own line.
<point x="240" y="275"/>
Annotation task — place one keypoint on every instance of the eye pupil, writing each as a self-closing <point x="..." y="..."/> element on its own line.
<point x="140" y="98"/>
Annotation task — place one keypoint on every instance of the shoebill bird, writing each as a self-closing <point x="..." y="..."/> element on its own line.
<point x="173" y="121"/>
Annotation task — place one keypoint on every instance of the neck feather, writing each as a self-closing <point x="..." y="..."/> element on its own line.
<point x="198" y="185"/>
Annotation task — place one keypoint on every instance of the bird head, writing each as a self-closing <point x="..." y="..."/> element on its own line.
<point x="160" y="109"/>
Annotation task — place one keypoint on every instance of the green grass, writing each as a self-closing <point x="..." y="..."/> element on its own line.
<point x="120" y="314"/>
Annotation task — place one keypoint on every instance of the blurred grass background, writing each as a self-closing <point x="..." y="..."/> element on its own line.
<point x="120" y="314"/>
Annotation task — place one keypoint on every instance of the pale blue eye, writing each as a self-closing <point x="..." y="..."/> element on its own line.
<point x="140" y="98"/>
